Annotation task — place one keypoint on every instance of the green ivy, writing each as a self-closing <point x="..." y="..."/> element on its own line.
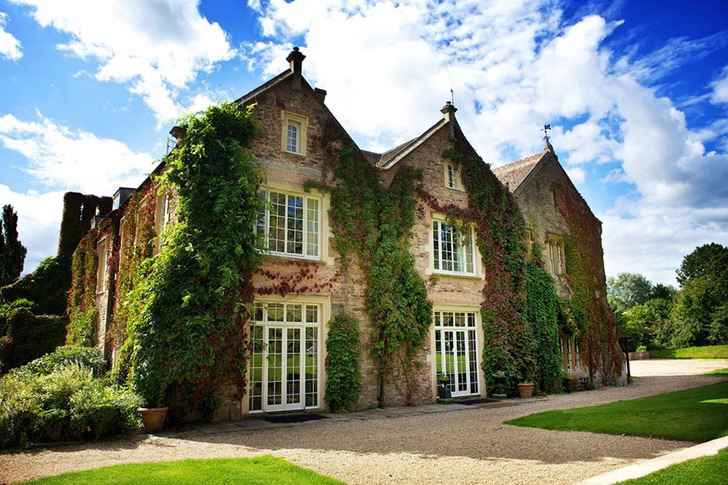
<point x="543" y="307"/>
<point x="187" y="336"/>
<point x="500" y="235"/>
<point x="82" y="310"/>
<point x="374" y="222"/>
<point x="343" y="376"/>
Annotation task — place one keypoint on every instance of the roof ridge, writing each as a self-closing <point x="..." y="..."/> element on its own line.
<point x="528" y="158"/>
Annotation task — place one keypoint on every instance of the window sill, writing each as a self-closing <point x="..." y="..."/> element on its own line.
<point x="456" y="189"/>
<point x="452" y="274"/>
<point x="309" y="259"/>
<point x="294" y="153"/>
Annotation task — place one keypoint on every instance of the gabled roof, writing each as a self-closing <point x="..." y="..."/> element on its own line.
<point x="513" y="174"/>
<point x="390" y="158"/>
<point x="265" y="86"/>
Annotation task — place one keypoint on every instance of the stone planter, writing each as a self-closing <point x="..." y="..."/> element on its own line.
<point x="525" y="389"/>
<point x="153" y="418"/>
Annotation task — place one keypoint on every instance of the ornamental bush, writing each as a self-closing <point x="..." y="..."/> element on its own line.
<point x="58" y="398"/>
<point x="343" y="375"/>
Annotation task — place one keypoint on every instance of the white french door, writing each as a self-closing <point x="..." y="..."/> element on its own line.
<point x="284" y="360"/>
<point x="456" y="351"/>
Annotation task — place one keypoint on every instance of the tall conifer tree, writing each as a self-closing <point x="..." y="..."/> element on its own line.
<point x="12" y="251"/>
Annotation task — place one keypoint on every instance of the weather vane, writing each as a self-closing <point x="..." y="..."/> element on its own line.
<point x="545" y="130"/>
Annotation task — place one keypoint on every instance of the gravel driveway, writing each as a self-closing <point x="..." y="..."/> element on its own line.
<point x="469" y="446"/>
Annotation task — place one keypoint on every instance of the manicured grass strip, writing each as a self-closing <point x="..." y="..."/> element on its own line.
<point x="707" y="352"/>
<point x="709" y="470"/>
<point x="250" y="471"/>
<point x="719" y="372"/>
<point x="698" y="414"/>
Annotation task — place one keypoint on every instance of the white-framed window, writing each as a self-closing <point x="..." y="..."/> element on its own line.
<point x="556" y="256"/>
<point x="570" y="353"/>
<point x="290" y="224"/>
<point x="452" y="250"/>
<point x="292" y="139"/>
<point x="452" y="177"/>
<point x="294" y="133"/>
<point x="102" y="252"/>
<point x="456" y="350"/>
<point x="284" y="362"/>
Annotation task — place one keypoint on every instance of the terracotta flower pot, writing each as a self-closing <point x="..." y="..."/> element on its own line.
<point x="525" y="389"/>
<point x="153" y="418"/>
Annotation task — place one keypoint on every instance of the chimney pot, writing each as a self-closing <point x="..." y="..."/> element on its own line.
<point x="295" y="60"/>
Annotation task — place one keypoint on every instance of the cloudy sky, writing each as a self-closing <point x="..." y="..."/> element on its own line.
<point x="636" y="92"/>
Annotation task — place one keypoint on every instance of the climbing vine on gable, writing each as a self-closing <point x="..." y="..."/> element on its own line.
<point x="186" y="337"/>
<point x="82" y="313"/>
<point x="373" y="222"/>
<point x="590" y="315"/>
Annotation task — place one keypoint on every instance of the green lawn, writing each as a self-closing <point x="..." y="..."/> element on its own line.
<point x="698" y="414"/>
<point x="707" y="352"/>
<point x="259" y="470"/>
<point x="709" y="470"/>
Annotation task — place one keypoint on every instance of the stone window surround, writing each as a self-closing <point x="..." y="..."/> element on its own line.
<point x="302" y="123"/>
<point x="477" y="259"/>
<point x="452" y="174"/>
<point x="324" y="230"/>
<point x="324" y="303"/>
<point x="478" y="339"/>
<point x="556" y="267"/>
<point x="102" y="270"/>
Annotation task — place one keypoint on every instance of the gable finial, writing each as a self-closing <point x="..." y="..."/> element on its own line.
<point x="452" y="97"/>
<point x="547" y="138"/>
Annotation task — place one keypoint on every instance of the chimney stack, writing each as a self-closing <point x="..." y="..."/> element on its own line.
<point x="448" y="112"/>
<point x="295" y="59"/>
<point x="320" y="93"/>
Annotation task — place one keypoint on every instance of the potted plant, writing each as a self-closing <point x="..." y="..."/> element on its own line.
<point x="499" y="379"/>
<point x="525" y="387"/>
<point x="153" y="418"/>
<point x="155" y="413"/>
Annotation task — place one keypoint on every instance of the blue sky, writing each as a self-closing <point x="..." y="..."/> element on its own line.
<point x="637" y="94"/>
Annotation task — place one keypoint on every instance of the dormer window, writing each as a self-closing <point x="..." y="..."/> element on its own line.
<point x="452" y="177"/>
<point x="294" y="131"/>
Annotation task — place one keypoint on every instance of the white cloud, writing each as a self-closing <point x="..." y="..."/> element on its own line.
<point x="720" y="88"/>
<point x="388" y="67"/>
<point x="158" y="47"/>
<point x="60" y="158"/>
<point x="39" y="220"/>
<point x="9" y="45"/>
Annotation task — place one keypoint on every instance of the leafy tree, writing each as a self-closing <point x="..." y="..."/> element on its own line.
<point x="628" y="290"/>
<point x="649" y="323"/>
<point x="663" y="292"/>
<point x="12" y="252"/>
<point x="701" y="312"/>
<point x="709" y="260"/>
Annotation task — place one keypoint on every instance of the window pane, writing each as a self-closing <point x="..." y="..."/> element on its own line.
<point x="294" y="313"/>
<point x="311" y="314"/>
<point x="294" y="214"/>
<point x="275" y="312"/>
<point x="311" y="365"/>
<point x="312" y="230"/>
<point x="292" y="139"/>
<point x="277" y="223"/>
<point x="436" y="244"/>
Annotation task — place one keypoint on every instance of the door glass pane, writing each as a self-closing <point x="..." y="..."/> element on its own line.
<point x="311" y="366"/>
<point x="438" y="352"/>
<point x="449" y="349"/>
<point x="461" y="364"/>
<point x="275" y="363"/>
<point x="293" y="366"/>
<point x="473" y="357"/>
<point x="256" y="369"/>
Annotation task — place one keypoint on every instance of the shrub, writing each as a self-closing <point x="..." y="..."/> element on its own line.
<point x="30" y="336"/>
<point x="57" y="398"/>
<point x="89" y="357"/>
<point x="342" y="363"/>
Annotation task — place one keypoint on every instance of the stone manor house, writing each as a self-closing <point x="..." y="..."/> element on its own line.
<point x="292" y="329"/>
